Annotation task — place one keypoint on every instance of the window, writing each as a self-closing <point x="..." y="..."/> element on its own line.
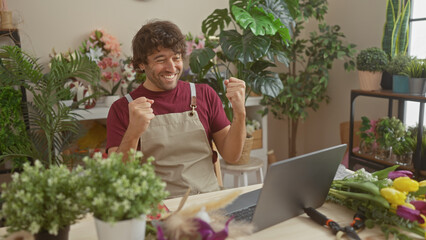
<point x="417" y="48"/>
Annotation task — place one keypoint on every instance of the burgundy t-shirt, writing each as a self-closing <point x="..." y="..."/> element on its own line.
<point x="209" y="109"/>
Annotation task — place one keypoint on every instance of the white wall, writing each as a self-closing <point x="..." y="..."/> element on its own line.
<point x="64" y="24"/>
<point x="362" y="22"/>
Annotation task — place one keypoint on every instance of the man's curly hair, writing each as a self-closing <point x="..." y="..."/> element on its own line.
<point x="154" y="35"/>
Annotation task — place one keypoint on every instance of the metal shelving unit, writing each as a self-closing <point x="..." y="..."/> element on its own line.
<point x="372" y="162"/>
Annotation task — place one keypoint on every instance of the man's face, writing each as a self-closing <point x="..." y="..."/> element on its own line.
<point x="163" y="70"/>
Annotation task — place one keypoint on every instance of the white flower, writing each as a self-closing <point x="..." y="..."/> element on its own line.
<point x="95" y="54"/>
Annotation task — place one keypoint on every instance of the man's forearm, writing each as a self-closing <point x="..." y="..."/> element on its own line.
<point x="129" y="141"/>
<point x="234" y="140"/>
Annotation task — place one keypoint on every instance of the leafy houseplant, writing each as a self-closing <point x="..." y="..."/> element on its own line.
<point x="12" y="126"/>
<point x="52" y="125"/>
<point x="395" y="34"/>
<point x="416" y="71"/>
<point x="395" y="68"/>
<point x="396" y="29"/>
<point x="367" y="135"/>
<point x="370" y="63"/>
<point x="260" y="35"/>
<point x="40" y="199"/>
<point x="389" y="132"/>
<point x="117" y="190"/>
<point x="306" y="79"/>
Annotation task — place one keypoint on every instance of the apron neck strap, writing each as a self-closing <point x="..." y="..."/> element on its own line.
<point x="193" y="97"/>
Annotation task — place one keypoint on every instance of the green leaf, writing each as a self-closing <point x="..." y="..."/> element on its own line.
<point x="200" y="58"/>
<point x="219" y="19"/>
<point x="381" y="174"/>
<point x="245" y="48"/>
<point x="280" y="10"/>
<point x="389" y="25"/>
<point x="268" y="83"/>
<point x="256" y="19"/>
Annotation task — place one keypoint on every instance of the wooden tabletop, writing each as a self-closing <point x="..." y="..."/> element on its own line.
<point x="301" y="227"/>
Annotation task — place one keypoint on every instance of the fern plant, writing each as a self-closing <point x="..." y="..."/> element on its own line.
<point x="52" y="125"/>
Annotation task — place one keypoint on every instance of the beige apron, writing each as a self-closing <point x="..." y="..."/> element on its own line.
<point x="183" y="156"/>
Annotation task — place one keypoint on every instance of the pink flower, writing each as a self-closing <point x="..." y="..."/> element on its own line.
<point x="102" y="65"/>
<point x="400" y="173"/>
<point x="116" y="77"/>
<point x="409" y="214"/>
<point x="106" y="76"/>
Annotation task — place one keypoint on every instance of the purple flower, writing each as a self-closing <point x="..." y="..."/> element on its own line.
<point x="409" y="214"/>
<point x="207" y="233"/>
<point x="400" y="173"/>
<point x="420" y="205"/>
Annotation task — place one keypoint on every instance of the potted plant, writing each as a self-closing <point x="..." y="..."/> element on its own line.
<point x="52" y="126"/>
<point x="416" y="72"/>
<point x="43" y="201"/>
<point x="370" y="64"/>
<point x="306" y="79"/>
<point x="13" y="132"/>
<point x="120" y="194"/>
<point x="260" y="35"/>
<point x="395" y="68"/>
<point x="403" y="150"/>
<point x="367" y="135"/>
<point x="395" y="34"/>
<point x="388" y="132"/>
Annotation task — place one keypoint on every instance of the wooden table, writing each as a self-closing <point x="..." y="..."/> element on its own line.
<point x="300" y="227"/>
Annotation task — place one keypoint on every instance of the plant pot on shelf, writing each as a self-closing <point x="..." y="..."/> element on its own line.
<point x="417" y="86"/>
<point x="132" y="229"/>
<point x="400" y="84"/>
<point x="386" y="82"/>
<point x="45" y="235"/>
<point x="369" y="80"/>
<point x="109" y="100"/>
<point x="405" y="159"/>
<point x="245" y="155"/>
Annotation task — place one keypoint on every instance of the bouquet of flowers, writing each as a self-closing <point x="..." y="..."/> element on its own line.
<point x="104" y="49"/>
<point x="387" y="198"/>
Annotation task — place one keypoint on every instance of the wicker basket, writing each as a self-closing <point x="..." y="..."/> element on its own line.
<point x="245" y="155"/>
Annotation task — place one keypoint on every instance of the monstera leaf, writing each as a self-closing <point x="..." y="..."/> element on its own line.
<point x="246" y="48"/>
<point x="200" y="58"/>
<point x="256" y="19"/>
<point x="219" y="19"/>
<point x="267" y="83"/>
<point x="280" y="10"/>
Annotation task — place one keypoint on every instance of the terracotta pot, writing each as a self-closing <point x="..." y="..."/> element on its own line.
<point x="45" y="235"/>
<point x="369" y="80"/>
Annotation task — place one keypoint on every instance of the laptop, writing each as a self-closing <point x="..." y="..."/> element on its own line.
<point x="290" y="186"/>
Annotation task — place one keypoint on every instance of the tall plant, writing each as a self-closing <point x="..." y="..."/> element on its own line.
<point x="305" y="81"/>
<point x="396" y="29"/>
<point x="260" y="34"/>
<point x="52" y="125"/>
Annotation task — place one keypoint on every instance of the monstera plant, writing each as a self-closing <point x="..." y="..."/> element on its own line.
<point x="260" y="34"/>
<point x="51" y="124"/>
<point x="305" y="81"/>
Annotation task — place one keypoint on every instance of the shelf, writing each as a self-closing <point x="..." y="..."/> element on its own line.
<point x="372" y="162"/>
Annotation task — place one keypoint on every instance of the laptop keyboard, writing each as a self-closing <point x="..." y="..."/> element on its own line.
<point x="245" y="214"/>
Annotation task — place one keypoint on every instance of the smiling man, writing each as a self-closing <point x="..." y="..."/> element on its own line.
<point x="173" y="120"/>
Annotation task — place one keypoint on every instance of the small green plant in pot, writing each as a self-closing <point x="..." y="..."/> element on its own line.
<point x="396" y="67"/>
<point x="403" y="150"/>
<point x="370" y="63"/>
<point x="416" y="72"/>
<point x="122" y="193"/>
<point x="367" y="135"/>
<point x="388" y="132"/>
<point x="43" y="201"/>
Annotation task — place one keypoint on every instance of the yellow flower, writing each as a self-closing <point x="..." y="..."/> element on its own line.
<point x="423" y="225"/>
<point x="405" y="184"/>
<point x="422" y="183"/>
<point x="409" y="205"/>
<point x="393" y="196"/>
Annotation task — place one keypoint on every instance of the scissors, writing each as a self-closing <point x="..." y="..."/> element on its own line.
<point x="350" y="231"/>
